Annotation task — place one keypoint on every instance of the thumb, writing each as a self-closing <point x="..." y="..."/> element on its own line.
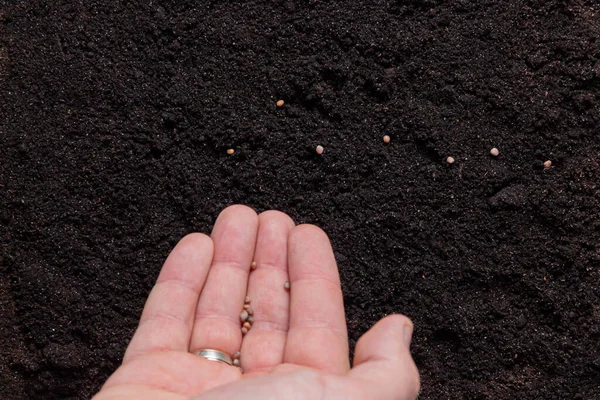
<point x="383" y="367"/>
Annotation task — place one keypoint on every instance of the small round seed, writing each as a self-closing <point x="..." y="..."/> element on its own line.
<point x="237" y="355"/>
<point x="280" y="103"/>
<point x="236" y="362"/>
<point x="250" y="311"/>
<point x="287" y="285"/>
<point x="494" y="152"/>
<point x="386" y="139"/>
<point x="244" y="330"/>
<point x="320" y="149"/>
<point x="247" y="325"/>
<point x="250" y="319"/>
<point x="450" y="160"/>
<point x="253" y="265"/>
<point x="230" y="151"/>
<point x="244" y="316"/>
<point x="246" y="306"/>
<point x="547" y="164"/>
<point x="247" y="299"/>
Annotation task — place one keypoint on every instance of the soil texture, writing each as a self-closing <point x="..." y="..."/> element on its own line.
<point x="116" y="117"/>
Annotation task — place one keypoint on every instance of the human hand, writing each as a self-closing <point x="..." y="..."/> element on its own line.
<point x="297" y="347"/>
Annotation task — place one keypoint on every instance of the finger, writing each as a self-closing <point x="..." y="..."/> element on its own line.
<point x="217" y="323"/>
<point x="263" y="346"/>
<point x="317" y="336"/>
<point x="383" y="366"/>
<point x="167" y="319"/>
<point x="185" y="375"/>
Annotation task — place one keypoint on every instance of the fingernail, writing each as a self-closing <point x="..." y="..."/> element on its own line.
<point x="408" y="331"/>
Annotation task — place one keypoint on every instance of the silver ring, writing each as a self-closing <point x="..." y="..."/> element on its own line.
<point x="214" y="355"/>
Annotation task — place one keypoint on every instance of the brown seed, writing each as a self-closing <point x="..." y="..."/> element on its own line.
<point x="547" y="164"/>
<point x="236" y="362"/>
<point x="230" y="151"/>
<point x="244" y="330"/>
<point x="246" y="306"/>
<point x="287" y="285"/>
<point x="237" y="355"/>
<point x="253" y="265"/>
<point x="244" y="316"/>
<point x="247" y="325"/>
<point x="247" y="299"/>
<point x="450" y="160"/>
<point x="320" y="149"/>
<point x="280" y="103"/>
<point x="250" y="319"/>
<point x="494" y="152"/>
<point x="386" y="139"/>
<point x="250" y="311"/>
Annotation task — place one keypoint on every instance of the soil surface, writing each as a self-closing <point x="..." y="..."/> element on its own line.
<point x="115" y="118"/>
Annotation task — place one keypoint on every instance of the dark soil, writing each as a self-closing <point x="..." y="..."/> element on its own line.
<point x="115" y="118"/>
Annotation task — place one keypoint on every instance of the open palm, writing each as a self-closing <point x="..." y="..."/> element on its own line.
<point x="297" y="347"/>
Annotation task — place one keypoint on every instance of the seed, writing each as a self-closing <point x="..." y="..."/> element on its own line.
<point x="494" y="152"/>
<point x="250" y="311"/>
<point x="237" y="355"/>
<point x="244" y="330"/>
<point x="320" y="149"/>
<point x="247" y="299"/>
<point x="450" y="160"/>
<point x="230" y="151"/>
<point x="247" y="325"/>
<point x="287" y="285"/>
<point x="236" y="362"/>
<point x="280" y="103"/>
<point x="547" y="164"/>
<point x="246" y="306"/>
<point x="244" y="316"/>
<point x="250" y="319"/>
<point x="253" y="265"/>
<point x="386" y="139"/>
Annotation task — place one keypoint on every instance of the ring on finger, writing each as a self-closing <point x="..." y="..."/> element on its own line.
<point x="214" y="355"/>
